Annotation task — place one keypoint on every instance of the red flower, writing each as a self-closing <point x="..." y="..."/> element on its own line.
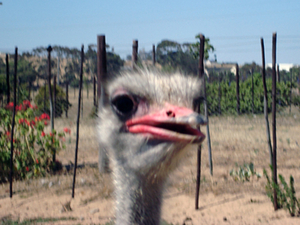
<point x="45" y="116"/>
<point x="37" y="161"/>
<point x="26" y="104"/>
<point x="32" y="123"/>
<point x="21" y="121"/>
<point x="46" y="123"/>
<point x="8" y="135"/>
<point x="67" y="130"/>
<point x="27" y="169"/>
<point x="27" y="122"/>
<point x="43" y="134"/>
<point x="51" y="134"/>
<point x="18" y="107"/>
<point x="9" y="106"/>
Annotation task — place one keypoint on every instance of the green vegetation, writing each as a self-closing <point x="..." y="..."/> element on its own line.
<point x="26" y="76"/>
<point x="286" y="195"/>
<point x="184" y="57"/>
<point x="61" y="103"/>
<point x="244" y="173"/>
<point x="33" y="148"/>
<point x="228" y="96"/>
<point x="174" y="56"/>
<point x="34" y="221"/>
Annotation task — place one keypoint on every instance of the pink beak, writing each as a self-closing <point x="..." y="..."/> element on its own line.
<point x="176" y="124"/>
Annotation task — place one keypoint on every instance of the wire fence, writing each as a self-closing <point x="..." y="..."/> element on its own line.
<point x="230" y="91"/>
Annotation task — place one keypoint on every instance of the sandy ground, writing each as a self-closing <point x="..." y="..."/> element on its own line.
<point x="235" y="141"/>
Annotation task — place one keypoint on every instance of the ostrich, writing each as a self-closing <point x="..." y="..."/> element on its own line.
<point x="146" y="124"/>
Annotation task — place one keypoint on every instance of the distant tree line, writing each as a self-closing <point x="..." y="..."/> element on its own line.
<point x="32" y="66"/>
<point x="171" y="55"/>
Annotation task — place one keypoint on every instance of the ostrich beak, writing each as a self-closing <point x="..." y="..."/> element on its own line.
<point x="173" y="123"/>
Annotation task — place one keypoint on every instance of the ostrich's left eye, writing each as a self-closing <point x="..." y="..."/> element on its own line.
<point x="124" y="105"/>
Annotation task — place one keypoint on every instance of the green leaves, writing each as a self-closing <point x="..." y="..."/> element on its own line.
<point x="61" y="103"/>
<point x="244" y="173"/>
<point x="228" y="96"/>
<point x="286" y="194"/>
<point x="208" y="47"/>
<point x="33" y="148"/>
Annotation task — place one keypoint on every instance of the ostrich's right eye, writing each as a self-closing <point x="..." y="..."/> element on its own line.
<point x="124" y="105"/>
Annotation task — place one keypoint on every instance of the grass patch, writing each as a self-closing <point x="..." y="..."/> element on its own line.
<point x="34" y="221"/>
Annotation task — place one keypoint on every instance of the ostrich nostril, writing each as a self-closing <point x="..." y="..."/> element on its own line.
<point x="170" y="113"/>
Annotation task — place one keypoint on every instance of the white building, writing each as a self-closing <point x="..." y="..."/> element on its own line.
<point x="220" y="67"/>
<point x="283" y="66"/>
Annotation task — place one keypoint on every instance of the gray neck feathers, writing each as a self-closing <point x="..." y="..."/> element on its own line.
<point x="138" y="200"/>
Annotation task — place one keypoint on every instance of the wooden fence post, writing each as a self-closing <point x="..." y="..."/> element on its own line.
<point x="101" y="63"/>
<point x="237" y="89"/>
<point x="94" y="89"/>
<point x="153" y="55"/>
<point x="134" y="53"/>
<point x="81" y="104"/>
<point x="54" y="96"/>
<point x="199" y="150"/>
<point x="49" y="49"/>
<point x="278" y="73"/>
<point x="291" y="87"/>
<point x="274" y="117"/>
<point x="252" y="89"/>
<point x="78" y="118"/>
<point x="202" y="76"/>
<point x="266" y="101"/>
<point x="13" y="125"/>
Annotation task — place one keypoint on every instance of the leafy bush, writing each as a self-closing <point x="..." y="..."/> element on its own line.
<point x="33" y="148"/>
<point x="286" y="195"/>
<point x="228" y="96"/>
<point x="61" y="103"/>
<point x="3" y="86"/>
<point x="244" y="173"/>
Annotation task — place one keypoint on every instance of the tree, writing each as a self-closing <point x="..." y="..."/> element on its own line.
<point x="26" y="71"/>
<point x="174" y="56"/>
<point x="26" y="76"/>
<point x="114" y="61"/>
<point x="208" y="47"/>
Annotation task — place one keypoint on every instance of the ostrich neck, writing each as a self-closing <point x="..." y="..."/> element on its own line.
<point x="138" y="199"/>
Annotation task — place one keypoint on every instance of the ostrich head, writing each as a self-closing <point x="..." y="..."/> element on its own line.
<point x="146" y="124"/>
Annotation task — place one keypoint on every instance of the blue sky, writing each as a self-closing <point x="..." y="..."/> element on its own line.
<point x="233" y="26"/>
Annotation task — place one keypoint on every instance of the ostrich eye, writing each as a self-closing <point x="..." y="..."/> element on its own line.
<point x="124" y="105"/>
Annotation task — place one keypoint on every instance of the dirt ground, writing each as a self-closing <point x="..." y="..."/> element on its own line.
<point x="234" y="141"/>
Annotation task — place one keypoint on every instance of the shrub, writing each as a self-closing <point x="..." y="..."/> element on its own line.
<point x="33" y="148"/>
<point x="244" y="173"/>
<point x="286" y="194"/>
<point x="228" y="96"/>
<point x="61" y="103"/>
